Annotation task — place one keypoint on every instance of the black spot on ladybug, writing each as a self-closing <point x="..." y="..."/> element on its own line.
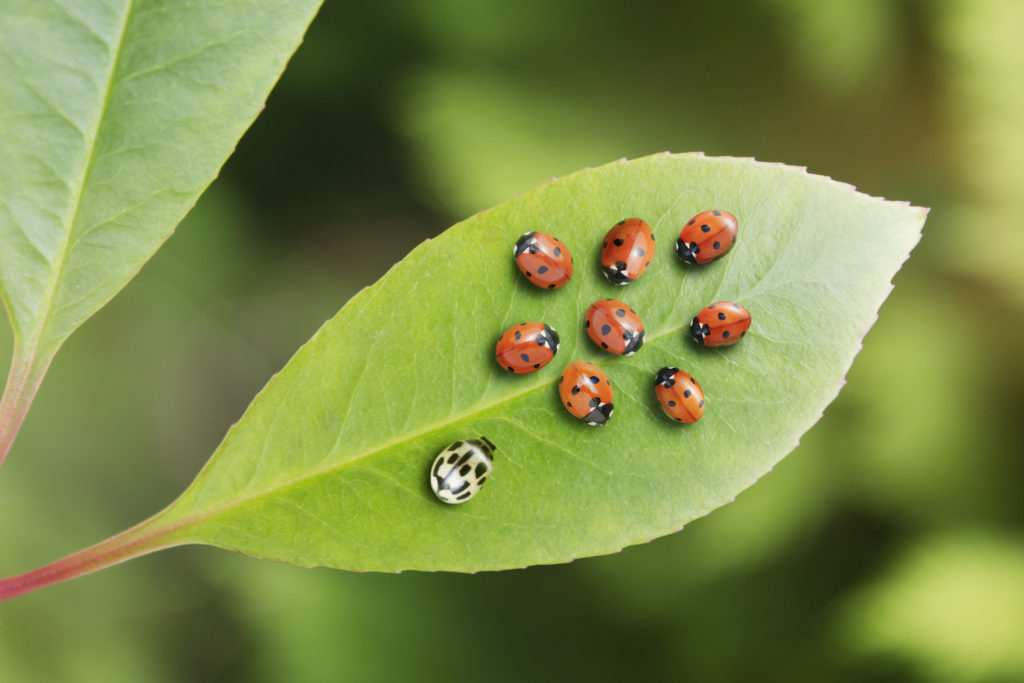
<point x="568" y="403"/>
<point x="576" y="389"/>
<point x="526" y="358"/>
<point x="603" y="345"/>
<point x="705" y="228"/>
<point x="606" y="329"/>
<point x="717" y="213"/>
<point x="510" y="369"/>
<point x="594" y="379"/>
<point x="721" y="316"/>
<point x="652" y="236"/>
<point x="679" y="419"/>
<point x="647" y="264"/>
<point x="671" y="404"/>
<point x="622" y="222"/>
<point x="711" y="307"/>
<point x="725" y="335"/>
<point x="701" y="404"/>
<point x="518" y="334"/>
<point x="522" y="324"/>
<point x="481" y="470"/>
<point x="536" y="366"/>
<point x="618" y="241"/>
<point x="551" y="286"/>
<point x="542" y="270"/>
<point x="558" y="252"/>
<point x="453" y="458"/>
<point x="743" y="333"/>
<point x="687" y="393"/>
<point x="605" y="245"/>
<point x="464" y="470"/>
<point x="529" y="275"/>
<point x="717" y="246"/>
<point x="692" y="221"/>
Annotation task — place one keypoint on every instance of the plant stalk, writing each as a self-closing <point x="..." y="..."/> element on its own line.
<point x="23" y="380"/>
<point x="139" y="540"/>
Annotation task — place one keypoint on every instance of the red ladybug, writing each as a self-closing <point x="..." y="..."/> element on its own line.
<point x="707" y="236"/>
<point x="679" y="395"/>
<point x="543" y="259"/>
<point x="615" y="327"/>
<point x="526" y="347"/>
<point x="586" y="392"/>
<point x="720" y="324"/>
<point x="627" y="250"/>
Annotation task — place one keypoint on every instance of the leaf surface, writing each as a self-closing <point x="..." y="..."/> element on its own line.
<point x="329" y="464"/>
<point x="115" y="115"/>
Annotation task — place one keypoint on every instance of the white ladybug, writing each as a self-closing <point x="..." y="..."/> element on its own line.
<point x="460" y="470"/>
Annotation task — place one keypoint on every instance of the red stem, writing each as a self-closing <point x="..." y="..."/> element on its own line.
<point x="23" y="382"/>
<point x="137" y="541"/>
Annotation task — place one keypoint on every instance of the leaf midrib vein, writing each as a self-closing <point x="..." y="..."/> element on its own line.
<point x="76" y="206"/>
<point x="361" y="458"/>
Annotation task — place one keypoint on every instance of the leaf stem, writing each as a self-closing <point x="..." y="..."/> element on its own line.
<point x="139" y="540"/>
<point x="23" y="380"/>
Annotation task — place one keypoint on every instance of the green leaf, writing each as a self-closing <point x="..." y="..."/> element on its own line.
<point x="115" y="116"/>
<point x="329" y="464"/>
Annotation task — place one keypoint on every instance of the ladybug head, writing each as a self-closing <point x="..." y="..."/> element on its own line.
<point x="552" y="338"/>
<point x="524" y="243"/>
<point x="634" y="340"/>
<point x="616" y="274"/>
<point x="699" y="330"/>
<point x="666" y="376"/>
<point x="599" y="415"/>
<point x="687" y="251"/>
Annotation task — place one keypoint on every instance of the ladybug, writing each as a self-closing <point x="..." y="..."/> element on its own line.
<point x="679" y="395"/>
<point x="586" y="392"/>
<point x="543" y="259"/>
<point x="707" y="236"/>
<point x="627" y="250"/>
<point x="720" y="324"/>
<point x="526" y="347"/>
<point x="459" y="471"/>
<point x="615" y="327"/>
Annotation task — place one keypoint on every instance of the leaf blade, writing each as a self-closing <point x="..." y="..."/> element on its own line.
<point x="116" y="115"/>
<point x="328" y="466"/>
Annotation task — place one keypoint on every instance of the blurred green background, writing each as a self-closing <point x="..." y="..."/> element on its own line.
<point x="888" y="547"/>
